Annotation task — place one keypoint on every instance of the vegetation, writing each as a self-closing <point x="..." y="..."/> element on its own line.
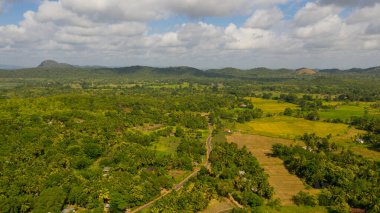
<point x="87" y="137"/>
<point x="347" y="180"/>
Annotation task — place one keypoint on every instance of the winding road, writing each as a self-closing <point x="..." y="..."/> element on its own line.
<point x="177" y="187"/>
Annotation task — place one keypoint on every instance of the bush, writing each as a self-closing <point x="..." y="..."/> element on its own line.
<point x="303" y="198"/>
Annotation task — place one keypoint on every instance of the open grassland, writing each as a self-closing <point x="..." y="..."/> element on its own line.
<point x="271" y="106"/>
<point x="285" y="184"/>
<point x="219" y="206"/>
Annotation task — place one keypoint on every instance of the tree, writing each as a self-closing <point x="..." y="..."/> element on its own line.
<point x="50" y="200"/>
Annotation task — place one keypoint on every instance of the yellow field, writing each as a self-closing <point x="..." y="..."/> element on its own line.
<point x="285" y="184"/>
<point x="293" y="209"/>
<point x="271" y="106"/>
<point x="289" y="127"/>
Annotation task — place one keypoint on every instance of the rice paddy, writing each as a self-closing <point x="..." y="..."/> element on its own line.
<point x="345" y="111"/>
<point x="290" y="127"/>
<point x="271" y="106"/>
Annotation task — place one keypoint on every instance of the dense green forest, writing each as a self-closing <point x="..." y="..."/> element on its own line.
<point x="91" y="137"/>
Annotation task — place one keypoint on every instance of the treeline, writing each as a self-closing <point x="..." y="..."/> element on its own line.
<point x="348" y="180"/>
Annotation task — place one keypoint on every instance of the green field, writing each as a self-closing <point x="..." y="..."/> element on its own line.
<point x="346" y="111"/>
<point x="271" y="106"/>
<point x="166" y="146"/>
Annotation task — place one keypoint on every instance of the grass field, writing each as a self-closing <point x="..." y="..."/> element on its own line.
<point x="219" y="206"/>
<point x="166" y="146"/>
<point x="290" y="128"/>
<point x="285" y="184"/>
<point x="271" y="106"/>
<point x="293" y="209"/>
<point x="345" y="111"/>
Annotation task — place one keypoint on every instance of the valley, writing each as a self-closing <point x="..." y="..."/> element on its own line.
<point x="143" y="139"/>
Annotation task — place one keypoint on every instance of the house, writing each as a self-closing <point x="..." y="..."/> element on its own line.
<point x="228" y="131"/>
<point x="68" y="210"/>
<point x="243" y="105"/>
<point x="359" y="140"/>
<point x="357" y="210"/>
<point x="106" y="169"/>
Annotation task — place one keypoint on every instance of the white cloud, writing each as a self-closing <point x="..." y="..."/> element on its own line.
<point x="312" y="13"/>
<point x="117" y="32"/>
<point x="145" y="10"/>
<point x="264" y="19"/>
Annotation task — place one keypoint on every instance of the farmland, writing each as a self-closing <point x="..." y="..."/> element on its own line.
<point x="285" y="184"/>
<point x="271" y="106"/>
<point x="345" y="111"/>
<point x="290" y="128"/>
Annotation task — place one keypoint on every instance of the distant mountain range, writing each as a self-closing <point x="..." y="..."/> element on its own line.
<point x="9" y="67"/>
<point x="53" y="69"/>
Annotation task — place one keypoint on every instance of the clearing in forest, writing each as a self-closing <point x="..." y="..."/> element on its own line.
<point x="271" y="106"/>
<point x="219" y="206"/>
<point x="285" y="184"/>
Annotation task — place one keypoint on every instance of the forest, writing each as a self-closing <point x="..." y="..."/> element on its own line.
<point x="113" y="140"/>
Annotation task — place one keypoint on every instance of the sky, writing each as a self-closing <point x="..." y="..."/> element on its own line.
<point x="198" y="33"/>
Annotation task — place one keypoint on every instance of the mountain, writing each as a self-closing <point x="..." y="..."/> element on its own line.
<point x="54" y="64"/>
<point x="306" y="71"/>
<point x="9" y="67"/>
<point x="358" y="71"/>
<point x="50" y="69"/>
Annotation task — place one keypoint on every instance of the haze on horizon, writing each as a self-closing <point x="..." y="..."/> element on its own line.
<point x="197" y="33"/>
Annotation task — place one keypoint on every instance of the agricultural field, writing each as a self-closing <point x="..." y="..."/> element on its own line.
<point x="271" y="106"/>
<point x="345" y="111"/>
<point x="285" y="184"/>
<point x="291" y="128"/>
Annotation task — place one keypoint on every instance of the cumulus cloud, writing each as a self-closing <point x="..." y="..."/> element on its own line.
<point x="312" y="13"/>
<point x="117" y="32"/>
<point x="264" y="19"/>
<point x="350" y="3"/>
<point x="145" y="10"/>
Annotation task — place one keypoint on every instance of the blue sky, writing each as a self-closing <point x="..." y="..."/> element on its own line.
<point x="199" y="33"/>
<point x="13" y="12"/>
